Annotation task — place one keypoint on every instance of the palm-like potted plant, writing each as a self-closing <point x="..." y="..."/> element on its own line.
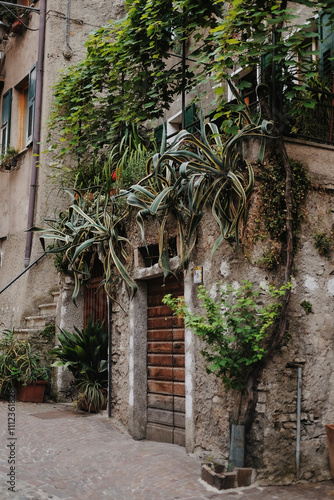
<point x="84" y="353"/>
<point x="21" y="368"/>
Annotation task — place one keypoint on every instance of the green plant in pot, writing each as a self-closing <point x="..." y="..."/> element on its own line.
<point x="84" y="353"/>
<point x="19" y="365"/>
<point x="8" y="160"/>
<point x="15" y="17"/>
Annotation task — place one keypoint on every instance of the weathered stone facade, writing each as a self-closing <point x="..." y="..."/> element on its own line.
<point x="209" y="408"/>
<point x="272" y="441"/>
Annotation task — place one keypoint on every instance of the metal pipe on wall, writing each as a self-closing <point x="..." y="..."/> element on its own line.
<point x="299" y="403"/>
<point x="37" y="129"/>
<point x="109" y="354"/>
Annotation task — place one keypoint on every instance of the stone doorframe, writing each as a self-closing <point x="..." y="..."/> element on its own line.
<point x="138" y="357"/>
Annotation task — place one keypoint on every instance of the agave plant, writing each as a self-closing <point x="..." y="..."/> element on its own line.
<point x="84" y="353"/>
<point x="197" y="172"/>
<point x="94" y="220"/>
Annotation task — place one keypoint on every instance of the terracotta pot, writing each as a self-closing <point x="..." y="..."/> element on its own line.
<point x="17" y="27"/>
<point x="33" y="393"/>
<point x="330" y="443"/>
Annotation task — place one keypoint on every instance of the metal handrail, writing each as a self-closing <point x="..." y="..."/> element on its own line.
<point x="25" y="270"/>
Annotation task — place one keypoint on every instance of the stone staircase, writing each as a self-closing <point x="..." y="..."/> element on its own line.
<point x="35" y="324"/>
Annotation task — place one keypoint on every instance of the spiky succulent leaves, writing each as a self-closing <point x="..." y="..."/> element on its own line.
<point x="84" y="351"/>
<point x="191" y="175"/>
<point x="80" y="229"/>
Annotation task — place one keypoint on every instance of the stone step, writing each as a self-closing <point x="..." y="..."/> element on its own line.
<point x="55" y="296"/>
<point x="47" y="310"/>
<point x="25" y="333"/>
<point x="36" y="321"/>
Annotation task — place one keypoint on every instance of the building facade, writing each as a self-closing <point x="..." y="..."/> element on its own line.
<point x="160" y="387"/>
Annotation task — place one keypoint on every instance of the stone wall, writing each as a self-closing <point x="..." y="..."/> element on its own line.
<point x="308" y="345"/>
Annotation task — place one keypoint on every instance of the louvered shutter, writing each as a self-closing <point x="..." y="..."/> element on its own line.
<point x="5" y="123"/>
<point x="31" y="105"/>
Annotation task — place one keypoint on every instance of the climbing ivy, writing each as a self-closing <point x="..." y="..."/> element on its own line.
<point x="272" y="212"/>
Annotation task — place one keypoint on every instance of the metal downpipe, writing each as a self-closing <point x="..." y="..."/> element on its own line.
<point x="37" y="129"/>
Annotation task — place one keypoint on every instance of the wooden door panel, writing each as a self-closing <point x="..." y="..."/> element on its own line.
<point x="165" y="365"/>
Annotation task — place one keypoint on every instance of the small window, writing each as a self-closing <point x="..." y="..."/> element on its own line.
<point x="150" y="254"/>
<point x="5" y="122"/>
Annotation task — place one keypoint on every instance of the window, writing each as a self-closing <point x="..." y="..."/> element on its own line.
<point x="326" y="46"/>
<point x="246" y="83"/>
<point x="5" y="123"/>
<point x="26" y="90"/>
<point x="21" y="97"/>
<point x="174" y="124"/>
<point x="20" y="2"/>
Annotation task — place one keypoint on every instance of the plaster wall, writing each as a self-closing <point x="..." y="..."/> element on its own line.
<point x="64" y="46"/>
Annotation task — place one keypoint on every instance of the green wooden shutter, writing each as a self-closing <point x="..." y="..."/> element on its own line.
<point x="326" y="45"/>
<point x="190" y="117"/>
<point x="158" y="131"/>
<point x="31" y="105"/>
<point x="5" y="124"/>
<point x="266" y="67"/>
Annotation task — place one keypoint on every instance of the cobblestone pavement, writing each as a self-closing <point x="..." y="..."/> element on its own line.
<point x="64" y="455"/>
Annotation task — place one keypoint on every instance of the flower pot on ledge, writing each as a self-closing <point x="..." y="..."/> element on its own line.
<point x="18" y="27"/>
<point x="32" y="393"/>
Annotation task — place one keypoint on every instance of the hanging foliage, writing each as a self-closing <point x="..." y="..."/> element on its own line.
<point x="91" y="222"/>
<point x="129" y="75"/>
<point x="193" y="174"/>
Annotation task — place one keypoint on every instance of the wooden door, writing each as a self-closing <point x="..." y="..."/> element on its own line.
<point x="95" y="302"/>
<point x="95" y="297"/>
<point x="165" y="365"/>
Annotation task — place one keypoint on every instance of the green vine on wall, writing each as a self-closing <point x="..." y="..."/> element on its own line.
<point x="235" y="327"/>
<point x="273" y="196"/>
<point x="323" y="243"/>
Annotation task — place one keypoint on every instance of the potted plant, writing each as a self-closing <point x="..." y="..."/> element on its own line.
<point x="16" y="18"/>
<point x="84" y="353"/>
<point x="21" y="368"/>
<point x="8" y="161"/>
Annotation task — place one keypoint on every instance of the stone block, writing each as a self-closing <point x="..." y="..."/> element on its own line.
<point x="245" y="476"/>
<point x="220" y="481"/>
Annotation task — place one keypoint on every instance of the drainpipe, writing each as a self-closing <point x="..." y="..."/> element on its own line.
<point x="298" y="365"/>
<point x="299" y="402"/>
<point x="109" y="355"/>
<point x="37" y="128"/>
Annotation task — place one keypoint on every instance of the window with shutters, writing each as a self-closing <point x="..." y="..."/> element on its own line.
<point x="174" y="124"/>
<point x="5" y="121"/>
<point x="326" y="45"/>
<point x="31" y="105"/>
<point x="25" y="99"/>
